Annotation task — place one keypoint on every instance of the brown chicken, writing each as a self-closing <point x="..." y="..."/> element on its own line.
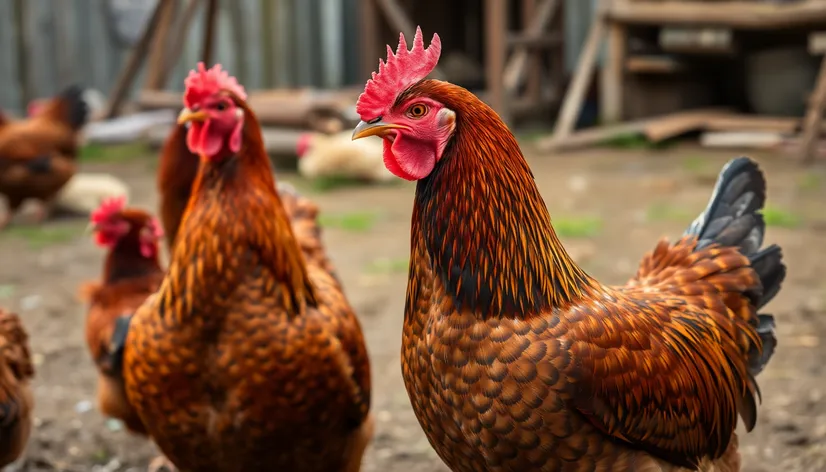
<point x="514" y="358"/>
<point x="37" y="155"/>
<point x="247" y="358"/>
<point x="176" y="174"/>
<point x="131" y="272"/>
<point x="16" y="402"/>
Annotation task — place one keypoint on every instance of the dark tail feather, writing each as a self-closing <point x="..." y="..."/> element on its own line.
<point x="77" y="110"/>
<point x="733" y="218"/>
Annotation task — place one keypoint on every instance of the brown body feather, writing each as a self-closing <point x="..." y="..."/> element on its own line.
<point x="37" y="155"/>
<point x="16" y="401"/>
<point x="248" y="358"/>
<point x="176" y="173"/>
<point x="515" y="359"/>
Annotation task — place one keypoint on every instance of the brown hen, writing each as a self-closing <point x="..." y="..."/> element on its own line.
<point x="131" y="272"/>
<point x="514" y="358"/>
<point x="247" y="358"/>
<point x="16" y="401"/>
<point x="176" y="174"/>
<point x="37" y="155"/>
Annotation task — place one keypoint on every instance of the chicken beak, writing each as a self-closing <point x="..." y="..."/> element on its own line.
<point x="376" y="128"/>
<point x="90" y="228"/>
<point x="188" y="115"/>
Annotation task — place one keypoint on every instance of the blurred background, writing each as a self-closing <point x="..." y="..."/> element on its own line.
<point x="626" y="111"/>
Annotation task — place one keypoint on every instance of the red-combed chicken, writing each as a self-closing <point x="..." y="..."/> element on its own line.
<point x="176" y="174"/>
<point x="131" y="272"/>
<point x="247" y="358"/>
<point x="37" y="155"/>
<point x="514" y="358"/>
<point x="16" y="401"/>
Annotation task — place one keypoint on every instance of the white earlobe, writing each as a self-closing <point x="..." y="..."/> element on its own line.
<point x="239" y="113"/>
<point x="447" y="117"/>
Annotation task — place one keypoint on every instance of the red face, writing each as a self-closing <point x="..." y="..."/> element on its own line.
<point x="415" y="135"/>
<point x="216" y="125"/>
<point x="110" y="231"/>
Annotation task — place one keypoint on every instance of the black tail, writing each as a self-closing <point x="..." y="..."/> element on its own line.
<point x="733" y="218"/>
<point x="77" y="110"/>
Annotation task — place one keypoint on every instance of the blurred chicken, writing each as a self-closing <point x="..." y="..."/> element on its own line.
<point x="337" y="155"/>
<point x="86" y="191"/>
<point x="16" y="401"/>
<point x="37" y="155"/>
<point x="248" y="358"/>
<point x="131" y="272"/>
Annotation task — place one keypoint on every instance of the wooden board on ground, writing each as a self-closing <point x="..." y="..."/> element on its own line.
<point x="742" y="139"/>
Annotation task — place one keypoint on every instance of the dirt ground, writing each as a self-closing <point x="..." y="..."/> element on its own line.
<point x="610" y="208"/>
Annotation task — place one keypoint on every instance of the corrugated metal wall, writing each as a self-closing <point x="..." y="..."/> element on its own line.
<point x="311" y="42"/>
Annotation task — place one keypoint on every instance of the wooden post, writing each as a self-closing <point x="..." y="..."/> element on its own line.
<point x="613" y="74"/>
<point x="20" y="33"/>
<point x="582" y="75"/>
<point x="236" y="17"/>
<point x="369" y="36"/>
<point x="496" y="27"/>
<point x="515" y="68"/>
<point x="209" y="32"/>
<point x="267" y="43"/>
<point x="814" y="116"/>
<point x="133" y="64"/>
<point x="156" y="68"/>
<point x="534" y="66"/>
<point x="182" y="30"/>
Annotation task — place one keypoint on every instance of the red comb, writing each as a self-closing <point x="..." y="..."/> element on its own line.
<point x="203" y="82"/>
<point x="401" y="70"/>
<point x="107" y="208"/>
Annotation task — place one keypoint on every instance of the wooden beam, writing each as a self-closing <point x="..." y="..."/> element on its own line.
<point x="814" y="116"/>
<point x="496" y="17"/>
<point x="398" y="20"/>
<point x="533" y="86"/>
<point x="23" y="73"/>
<point x="176" y="47"/>
<point x="156" y="64"/>
<point x="133" y="64"/>
<point x="734" y="14"/>
<point x="369" y="37"/>
<point x="515" y="68"/>
<point x="574" y="96"/>
<point x="613" y="74"/>
<point x="235" y="12"/>
<point x="210" y="23"/>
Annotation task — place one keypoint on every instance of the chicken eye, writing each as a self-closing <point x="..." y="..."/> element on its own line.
<point x="221" y="106"/>
<point x="417" y="111"/>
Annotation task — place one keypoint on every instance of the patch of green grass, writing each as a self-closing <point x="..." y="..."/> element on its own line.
<point x="388" y="266"/>
<point x="577" y="227"/>
<point x="781" y="218"/>
<point x="334" y="182"/>
<point x="661" y="211"/>
<point x="809" y="182"/>
<point x="39" y="237"/>
<point x="628" y="141"/>
<point x="94" y="152"/>
<point x="358" y="222"/>
<point x="6" y="291"/>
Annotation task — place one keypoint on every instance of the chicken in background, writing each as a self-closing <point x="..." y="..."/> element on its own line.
<point x="131" y="272"/>
<point x="37" y="155"/>
<point x="337" y="155"/>
<point x="248" y="357"/>
<point x="16" y="400"/>
<point x="177" y="170"/>
<point x="516" y="359"/>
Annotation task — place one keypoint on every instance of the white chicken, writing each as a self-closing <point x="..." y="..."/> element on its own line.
<point x="337" y="155"/>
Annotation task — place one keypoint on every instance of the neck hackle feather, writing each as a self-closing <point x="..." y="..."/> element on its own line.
<point x="237" y="199"/>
